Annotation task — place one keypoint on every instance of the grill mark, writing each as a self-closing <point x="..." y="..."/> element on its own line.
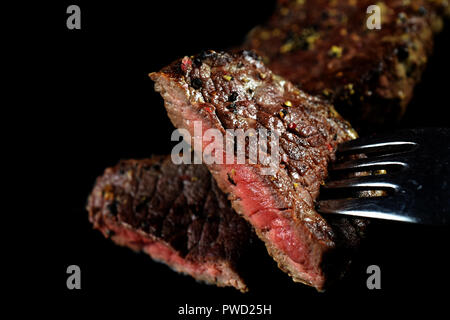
<point x="213" y="215"/>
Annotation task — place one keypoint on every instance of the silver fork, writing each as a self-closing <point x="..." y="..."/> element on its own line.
<point x="415" y="183"/>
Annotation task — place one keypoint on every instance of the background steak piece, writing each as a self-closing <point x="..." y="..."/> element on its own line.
<point x="325" y="48"/>
<point x="174" y="213"/>
<point x="236" y="91"/>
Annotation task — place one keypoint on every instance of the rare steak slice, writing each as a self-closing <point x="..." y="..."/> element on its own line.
<point x="326" y="48"/>
<point x="174" y="213"/>
<point x="236" y="91"/>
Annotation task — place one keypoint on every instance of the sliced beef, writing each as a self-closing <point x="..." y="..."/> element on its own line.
<point x="325" y="48"/>
<point x="236" y="91"/>
<point x="174" y="213"/>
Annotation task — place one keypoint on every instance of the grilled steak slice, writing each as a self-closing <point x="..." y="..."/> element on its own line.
<point x="174" y="213"/>
<point x="236" y="91"/>
<point x="325" y="48"/>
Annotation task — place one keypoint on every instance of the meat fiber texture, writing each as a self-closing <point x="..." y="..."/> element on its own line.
<point x="237" y="91"/>
<point x="326" y="48"/>
<point x="174" y="213"/>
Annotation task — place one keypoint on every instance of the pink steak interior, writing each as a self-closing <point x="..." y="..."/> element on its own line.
<point x="284" y="239"/>
<point x="209" y="271"/>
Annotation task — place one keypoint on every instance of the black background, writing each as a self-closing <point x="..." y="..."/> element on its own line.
<point x="100" y="107"/>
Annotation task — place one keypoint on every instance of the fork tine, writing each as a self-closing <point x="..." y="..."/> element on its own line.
<point x="379" y="162"/>
<point x="381" y="181"/>
<point x="378" y="144"/>
<point x="375" y="207"/>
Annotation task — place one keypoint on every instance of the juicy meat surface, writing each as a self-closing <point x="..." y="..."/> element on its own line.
<point x="236" y="91"/>
<point x="174" y="213"/>
<point x="325" y="48"/>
